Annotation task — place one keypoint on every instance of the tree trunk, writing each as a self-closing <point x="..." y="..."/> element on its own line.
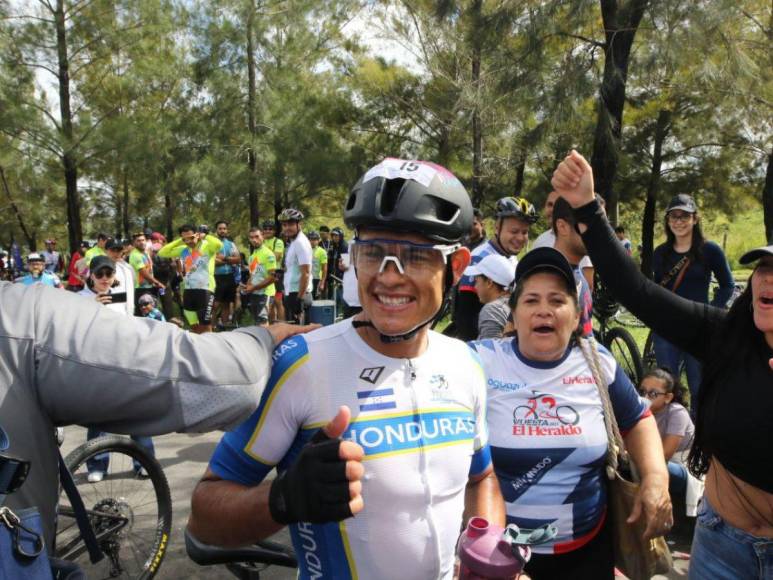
<point x="251" y="104"/>
<point x="118" y="199"/>
<point x="168" y="211"/>
<point x="621" y="21"/>
<point x="477" y="132"/>
<point x="29" y="236"/>
<point x="520" y="170"/>
<point x="125" y="204"/>
<point x="767" y="200"/>
<point x="279" y="194"/>
<point x="74" y="228"/>
<point x="662" y="128"/>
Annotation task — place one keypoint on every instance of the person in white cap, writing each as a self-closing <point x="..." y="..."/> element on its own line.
<point x="494" y="276"/>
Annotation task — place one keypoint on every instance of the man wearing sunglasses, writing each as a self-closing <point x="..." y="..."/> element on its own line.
<point x="408" y="403"/>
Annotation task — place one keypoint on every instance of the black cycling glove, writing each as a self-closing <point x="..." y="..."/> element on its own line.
<point x="314" y="489"/>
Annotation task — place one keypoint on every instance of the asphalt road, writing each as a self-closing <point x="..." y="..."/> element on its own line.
<point x="184" y="458"/>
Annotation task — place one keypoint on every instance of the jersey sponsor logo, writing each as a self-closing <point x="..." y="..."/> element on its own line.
<point x="371" y="375"/>
<point x="542" y="416"/>
<point x="504" y="386"/>
<point x="410" y="432"/>
<point x="283" y="348"/>
<point x="376" y="399"/>
<point x="440" y="389"/>
<point x="578" y="380"/>
<point x="532" y="475"/>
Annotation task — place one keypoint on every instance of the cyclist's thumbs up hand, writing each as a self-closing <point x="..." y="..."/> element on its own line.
<point x="770" y="362"/>
<point x="323" y="484"/>
<point x="350" y="452"/>
<point x="573" y="180"/>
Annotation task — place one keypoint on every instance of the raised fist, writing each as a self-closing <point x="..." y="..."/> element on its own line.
<point x="573" y="180"/>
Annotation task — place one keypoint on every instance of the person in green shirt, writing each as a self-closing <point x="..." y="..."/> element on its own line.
<point x="260" y="285"/>
<point x="276" y="310"/>
<point x="144" y="281"/>
<point x="98" y="249"/>
<point x="197" y="251"/>
<point x="318" y="265"/>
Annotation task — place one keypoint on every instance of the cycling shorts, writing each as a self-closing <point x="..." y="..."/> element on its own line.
<point x="197" y="306"/>
<point x="225" y="288"/>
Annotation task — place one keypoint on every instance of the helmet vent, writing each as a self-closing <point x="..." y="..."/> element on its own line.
<point x="351" y="201"/>
<point x="438" y="209"/>
<point x="390" y="194"/>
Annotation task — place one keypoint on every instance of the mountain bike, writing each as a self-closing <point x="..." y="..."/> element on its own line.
<point x="620" y="343"/>
<point x="245" y="563"/>
<point x="130" y="511"/>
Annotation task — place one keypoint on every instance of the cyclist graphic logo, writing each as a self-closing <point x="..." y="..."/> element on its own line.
<point x="542" y="416"/>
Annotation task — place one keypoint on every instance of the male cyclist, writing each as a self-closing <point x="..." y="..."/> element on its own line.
<point x="274" y="243"/>
<point x="298" y="260"/>
<point x="36" y="264"/>
<point x="513" y="216"/>
<point x="197" y="251"/>
<point x="418" y="421"/>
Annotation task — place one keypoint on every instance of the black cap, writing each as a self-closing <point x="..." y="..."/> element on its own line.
<point x="753" y="255"/>
<point x="100" y="262"/>
<point x="682" y="201"/>
<point x="545" y="258"/>
<point x="114" y="244"/>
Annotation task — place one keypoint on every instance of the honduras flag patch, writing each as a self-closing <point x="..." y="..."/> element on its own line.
<point x="376" y="399"/>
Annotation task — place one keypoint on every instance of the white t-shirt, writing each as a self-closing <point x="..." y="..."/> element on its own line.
<point x="298" y="254"/>
<point x="421" y="423"/>
<point x="547" y="239"/>
<point x="351" y="294"/>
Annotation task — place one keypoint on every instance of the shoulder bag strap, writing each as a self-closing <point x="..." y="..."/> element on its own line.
<point x="680" y="266"/>
<point x="87" y="532"/>
<point x="615" y="447"/>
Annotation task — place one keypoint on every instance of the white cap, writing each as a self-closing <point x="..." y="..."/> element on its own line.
<point x="494" y="267"/>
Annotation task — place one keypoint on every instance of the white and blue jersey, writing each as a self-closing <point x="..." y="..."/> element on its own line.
<point x="421" y="423"/>
<point x="467" y="283"/>
<point x="45" y="278"/>
<point x="547" y="436"/>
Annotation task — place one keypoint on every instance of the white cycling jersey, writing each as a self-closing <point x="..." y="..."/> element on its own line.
<point x="421" y="423"/>
<point x="548" y="440"/>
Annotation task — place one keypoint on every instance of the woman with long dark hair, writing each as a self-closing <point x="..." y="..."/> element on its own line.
<point x="684" y="264"/>
<point x="733" y="430"/>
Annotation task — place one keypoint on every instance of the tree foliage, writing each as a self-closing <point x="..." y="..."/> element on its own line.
<point x="123" y="114"/>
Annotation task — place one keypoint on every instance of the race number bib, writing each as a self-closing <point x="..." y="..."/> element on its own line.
<point x="392" y="168"/>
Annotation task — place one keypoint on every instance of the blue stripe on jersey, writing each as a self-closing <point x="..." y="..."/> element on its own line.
<point x="481" y="460"/>
<point x="323" y="551"/>
<point x="232" y="458"/>
<point x="399" y="433"/>
<point x="520" y="469"/>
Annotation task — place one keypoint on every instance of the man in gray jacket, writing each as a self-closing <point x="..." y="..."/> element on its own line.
<point x="65" y="360"/>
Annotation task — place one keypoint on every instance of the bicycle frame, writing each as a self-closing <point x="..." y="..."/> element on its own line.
<point x="76" y="546"/>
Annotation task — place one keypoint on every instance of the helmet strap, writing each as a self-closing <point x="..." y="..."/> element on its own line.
<point x="448" y="281"/>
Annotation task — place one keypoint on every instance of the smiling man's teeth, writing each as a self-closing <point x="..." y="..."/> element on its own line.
<point x="394" y="301"/>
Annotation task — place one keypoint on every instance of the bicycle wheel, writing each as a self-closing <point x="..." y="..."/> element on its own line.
<point x="648" y="359"/>
<point x="623" y="347"/>
<point x="131" y="515"/>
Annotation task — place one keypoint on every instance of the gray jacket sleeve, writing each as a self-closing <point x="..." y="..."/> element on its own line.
<point x="133" y="375"/>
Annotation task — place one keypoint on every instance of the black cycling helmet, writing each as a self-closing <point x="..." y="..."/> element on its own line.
<point x="337" y="232"/>
<point x="517" y="207"/>
<point x="268" y="225"/>
<point x="290" y="214"/>
<point x="312" y="235"/>
<point x="411" y="196"/>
